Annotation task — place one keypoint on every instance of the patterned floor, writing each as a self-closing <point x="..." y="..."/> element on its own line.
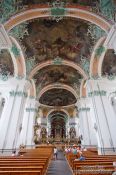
<point x="59" y="166"/>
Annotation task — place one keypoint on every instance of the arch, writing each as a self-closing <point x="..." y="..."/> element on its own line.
<point x="20" y="67"/>
<point x="71" y="11"/>
<point x="64" y="62"/>
<point x="101" y="60"/>
<point x="83" y="88"/>
<point x="32" y="89"/>
<point x="60" y="110"/>
<point x="94" y="61"/>
<point x="13" y="58"/>
<point x="63" y="116"/>
<point x="57" y="86"/>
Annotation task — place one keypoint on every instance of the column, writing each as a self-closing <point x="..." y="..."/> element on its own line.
<point x="1" y="107"/>
<point x="104" y="116"/>
<point x="31" y="119"/>
<point x="18" y="102"/>
<point x="86" y="124"/>
<point x="5" y="119"/>
<point x="76" y="122"/>
<point x="27" y="132"/>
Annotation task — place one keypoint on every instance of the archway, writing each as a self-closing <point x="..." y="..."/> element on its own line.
<point x="57" y="86"/>
<point x="58" y="126"/>
<point x="39" y="12"/>
<point x="63" y="62"/>
<point x="97" y="58"/>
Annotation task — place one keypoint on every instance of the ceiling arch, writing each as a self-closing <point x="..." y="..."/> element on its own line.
<point x="39" y="12"/>
<point x="20" y="67"/>
<point x="58" y="86"/>
<point x="96" y="60"/>
<point x="60" y="115"/>
<point x="56" y="110"/>
<point x="64" y="62"/>
<point x="32" y="89"/>
<point x="83" y="88"/>
<point x="57" y="97"/>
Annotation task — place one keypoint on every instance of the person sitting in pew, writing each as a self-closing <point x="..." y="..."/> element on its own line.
<point x="81" y="158"/>
<point x="13" y="153"/>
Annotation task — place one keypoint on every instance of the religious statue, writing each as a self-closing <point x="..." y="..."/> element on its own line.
<point x="72" y="133"/>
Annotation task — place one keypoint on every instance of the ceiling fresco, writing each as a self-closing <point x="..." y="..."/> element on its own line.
<point x="57" y="74"/>
<point x="45" y="39"/>
<point x="109" y="63"/>
<point x="6" y="64"/>
<point x="57" y="97"/>
<point x="48" y="39"/>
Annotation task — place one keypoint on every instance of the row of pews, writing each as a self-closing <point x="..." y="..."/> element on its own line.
<point x="33" y="162"/>
<point x="93" y="164"/>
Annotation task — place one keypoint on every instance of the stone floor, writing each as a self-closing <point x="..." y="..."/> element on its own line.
<point x="59" y="166"/>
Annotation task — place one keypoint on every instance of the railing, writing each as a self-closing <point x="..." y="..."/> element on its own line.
<point x="16" y="149"/>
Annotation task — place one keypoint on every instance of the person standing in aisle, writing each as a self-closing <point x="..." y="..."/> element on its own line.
<point x="55" y="153"/>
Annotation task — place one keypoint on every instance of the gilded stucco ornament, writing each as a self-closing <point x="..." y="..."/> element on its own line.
<point x="58" y="10"/>
<point x="15" y="51"/>
<point x="20" y="31"/>
<point x="97" y="93"/>
<point x="100" y="50"/>
<point x="30" y="64"/>
<point x="84" y="109"/>
<point x="20" y="77"/>
<point x="8" y="8"/>
<point x="111" y="77"/>
<point x="4" y="77"/>
<point x="85" y="64"/>
<point x="104" y="8"/>
<point x="18" y="93"/>
<point x="31" y="110"/>
<point x="57" y="61"/>
<point x="95" y="77"/>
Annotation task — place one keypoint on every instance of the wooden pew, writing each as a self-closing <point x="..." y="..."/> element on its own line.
<point x="33" y="162"/>
<point x="95" y="162"/>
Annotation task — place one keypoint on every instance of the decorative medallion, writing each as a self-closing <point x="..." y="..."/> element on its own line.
<point x="58" y="10"/>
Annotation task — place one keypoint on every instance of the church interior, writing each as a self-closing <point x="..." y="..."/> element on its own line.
<point x="57" y="87"/>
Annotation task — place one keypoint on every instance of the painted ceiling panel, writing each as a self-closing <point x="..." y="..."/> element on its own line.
<point x="57" y="74"/>
<point x="57" y="97"/>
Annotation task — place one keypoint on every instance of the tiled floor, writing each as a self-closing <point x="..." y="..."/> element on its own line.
<point x="59" y="166"/>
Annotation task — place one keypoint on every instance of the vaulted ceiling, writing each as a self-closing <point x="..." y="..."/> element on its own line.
<point x="69" y="39"/>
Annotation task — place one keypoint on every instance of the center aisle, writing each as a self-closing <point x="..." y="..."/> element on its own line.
<point x="59" y="166"/>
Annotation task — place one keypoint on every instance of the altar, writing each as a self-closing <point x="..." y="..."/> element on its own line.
<point x="58" y="138"/>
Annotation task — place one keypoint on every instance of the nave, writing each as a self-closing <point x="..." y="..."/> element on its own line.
<point x="57" y="86"/>
<point x="40" y="161"/>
